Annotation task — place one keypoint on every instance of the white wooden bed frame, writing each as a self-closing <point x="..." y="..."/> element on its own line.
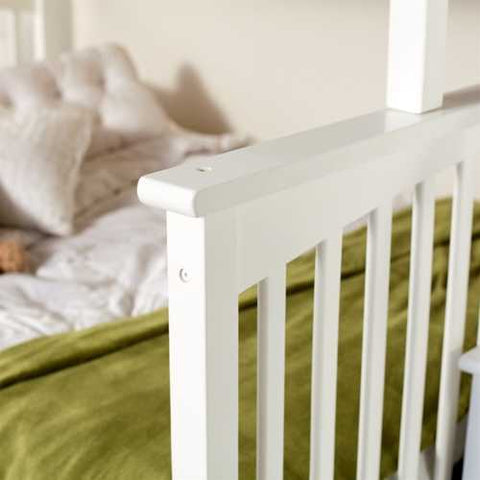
<point x="236" y="221"/>
<point x="34" y="30"/>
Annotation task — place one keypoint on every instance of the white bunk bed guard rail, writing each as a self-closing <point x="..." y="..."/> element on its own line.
<point x="302" y="191"/>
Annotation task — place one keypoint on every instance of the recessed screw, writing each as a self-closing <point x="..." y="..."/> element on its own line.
<point x="184" y="276"/>
<point x="204" y="169"/>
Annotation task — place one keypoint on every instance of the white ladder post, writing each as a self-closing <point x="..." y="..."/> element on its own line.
<point x="417" y="54"/>
<point x="416" y="84"/>
<point x="203" y="335"/>
<point x="470" y="363"/>
<point x="53" y="28"/>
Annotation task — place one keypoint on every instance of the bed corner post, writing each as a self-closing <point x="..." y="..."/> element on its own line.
<point x="53" y="29"/>
<point x="417" y="54"/>
<point x="203" y="326"/>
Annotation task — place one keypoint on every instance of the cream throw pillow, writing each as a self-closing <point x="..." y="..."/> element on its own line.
<point x="40" y="158"/>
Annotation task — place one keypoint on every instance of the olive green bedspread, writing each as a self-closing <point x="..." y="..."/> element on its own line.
<point x="95" y="404"/>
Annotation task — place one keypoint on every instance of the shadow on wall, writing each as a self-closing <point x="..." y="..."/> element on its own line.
<point x="191" y="105"/>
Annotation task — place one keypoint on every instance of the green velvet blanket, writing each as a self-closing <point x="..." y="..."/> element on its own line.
<point x="95" y="404"/>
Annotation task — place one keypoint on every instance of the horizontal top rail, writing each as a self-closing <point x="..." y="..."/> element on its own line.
<point x="16" y="4"/>
<point x="200" y="187"/>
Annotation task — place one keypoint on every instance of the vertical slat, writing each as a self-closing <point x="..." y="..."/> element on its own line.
<point x="471" y="464"/>
<point x="374" y="342"/>
<point x="417" y="53"/>
<point x="203" y="332"/>
<point x="324" y="357"/>
<point x="54" y="28"/>
<point x="17" y="26"/>
<point x="271" y="376"/>
<point x="455" y="316"/>
<point x="417" y="330"/>
<point x="10" y="37"/>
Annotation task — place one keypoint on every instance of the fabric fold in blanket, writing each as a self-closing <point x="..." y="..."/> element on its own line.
<point x="94" y="404"/>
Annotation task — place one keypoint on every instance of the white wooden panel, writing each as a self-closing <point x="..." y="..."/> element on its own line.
<point x="203" y="325"/>
<point x="471" y="464"/>
<point x="28" y="25"/>
<point x="34" y="28"/>
<point x="333" y="202"/>
<point x="374" y="343"/>
<point x="17" y="32"/>
<point x="427" y="459"/>
<point x="54" y="33"/>
<point x="458" y="272"/>
<point x="9" y="38"/>
<point x="417" y="54"/>
<point x="470" y="363"/>
<point x="19" y="37"/>
<point x="271" y="375"/>
<point x="324" y="357"/>
<point x="17" y="4"/>
<point x="417" y="332"/>
<point x="248" y="174"/>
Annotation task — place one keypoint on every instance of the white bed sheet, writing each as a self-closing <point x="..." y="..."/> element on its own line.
<point x="115" y="267"/>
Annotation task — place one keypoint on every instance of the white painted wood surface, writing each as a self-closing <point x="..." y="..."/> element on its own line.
<point x="252" y="173"/>
<point x="8" y="39"/>
<point x="18" y="5"/>
<point x="54" y="33"/>
<point x="427" y="459"/>
<point x="320" y="173"/>
<point x="417" y="54"/>
<point x="274" y="190"/>
<point x="325" y="357"/>
<point x="471" y="464"/>
<point x="455" y="316"/>
<point x="203" y="332"/>
<point x="301" y="191"/>
<point x="38" y="29"/>
<point x="417" y="330"/>
<point x="470" y="363"/>
<point x="374" y="342"/>
<point x="16" y="40"/>
<point x="347" y="195"/>
<point x="271" y="375"/>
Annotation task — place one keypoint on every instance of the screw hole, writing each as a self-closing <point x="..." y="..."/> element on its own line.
<point x="204" y="169"/>
<point x="184" y="276"/>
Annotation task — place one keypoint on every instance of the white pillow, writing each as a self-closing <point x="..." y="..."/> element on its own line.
<point x="40" y="158"/>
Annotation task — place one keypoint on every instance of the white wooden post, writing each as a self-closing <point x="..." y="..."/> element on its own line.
<point x="241" y="220"/>
<point x="17" y="27"/>
<point x="374" y="342"/>
<point x="417" y="332"/>
<point x="12" y="38"/>
<point x="271" y="375"/>
<point x="53" y="28"/>
<point x="470" y="363"/>
<point x="417" y="51"/>
<point x="328" y="269"/>
<point x="203" y="328"/>
<point x="455" y="316"/>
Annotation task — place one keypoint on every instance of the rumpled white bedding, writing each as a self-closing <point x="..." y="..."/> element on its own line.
<point x="115" y="267"/>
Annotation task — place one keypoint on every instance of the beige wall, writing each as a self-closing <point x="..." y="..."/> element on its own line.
<point x="267" y="67"/>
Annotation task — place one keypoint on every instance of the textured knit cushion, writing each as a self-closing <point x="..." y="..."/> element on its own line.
<point x="102" y="81"/>
<point x="40" y="158"/>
